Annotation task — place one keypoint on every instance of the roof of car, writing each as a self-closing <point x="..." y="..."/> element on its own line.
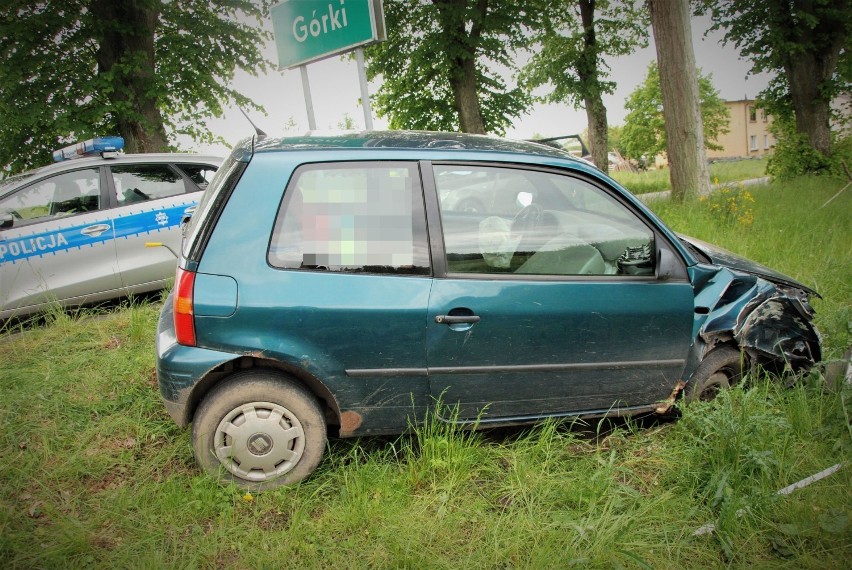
<point x="405" y="140"/>
<point x="120" y="158"/>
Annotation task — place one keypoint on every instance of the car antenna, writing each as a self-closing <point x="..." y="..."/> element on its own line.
<point x="257" y="130"/>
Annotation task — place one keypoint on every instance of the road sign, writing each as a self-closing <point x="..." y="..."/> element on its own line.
<point x="310" y="30"/>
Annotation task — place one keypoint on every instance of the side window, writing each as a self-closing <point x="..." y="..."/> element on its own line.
<point x="201" y="174"/>
<point x="352" y="217"/>
<point x="140" y="182"/>
<point x="62" y="195"/>
<point x="539" y="223"/>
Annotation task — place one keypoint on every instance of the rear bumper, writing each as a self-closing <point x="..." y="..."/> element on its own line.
<point x="181" y="368"/>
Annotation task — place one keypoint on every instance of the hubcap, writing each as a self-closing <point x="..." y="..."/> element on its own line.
<point x="260" y="444"/>
<point x="259" y="441"/>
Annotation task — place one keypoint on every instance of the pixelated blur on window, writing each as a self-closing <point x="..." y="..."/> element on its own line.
<point x="353" y="217"/>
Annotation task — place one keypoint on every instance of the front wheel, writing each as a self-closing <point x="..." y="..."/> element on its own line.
<point x="259" y="430"/>
<point x="720" y="369"/>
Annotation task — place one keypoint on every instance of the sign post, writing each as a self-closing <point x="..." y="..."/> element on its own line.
<point x="311" y="30"/>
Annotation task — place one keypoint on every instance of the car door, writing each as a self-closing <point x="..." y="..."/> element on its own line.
<point x="550" y="303"/>
<point x="150" y="201"/>
<point x="60" y="246"/>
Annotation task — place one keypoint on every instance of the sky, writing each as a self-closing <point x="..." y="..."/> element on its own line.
<point x="335" y="94"/>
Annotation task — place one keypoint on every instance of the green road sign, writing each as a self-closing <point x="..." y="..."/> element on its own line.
<point x="309" y="30"/>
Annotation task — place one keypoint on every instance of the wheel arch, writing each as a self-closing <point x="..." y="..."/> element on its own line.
<point x="221" y="373"/>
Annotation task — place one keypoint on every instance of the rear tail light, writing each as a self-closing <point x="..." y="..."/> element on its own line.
<point x="184" y="317"/>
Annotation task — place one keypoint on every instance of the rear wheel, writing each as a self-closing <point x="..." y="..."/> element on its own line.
<point x="259" y="430"/>
<point x="720" y="369"/>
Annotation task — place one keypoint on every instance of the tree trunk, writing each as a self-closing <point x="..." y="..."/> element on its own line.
<point x="806" y="73"/>
<point x="125" y="54"/>
<point x="462" y="61"/>
<point x="587" y="71"/>
<point x="463" y="83"/>
<point x="681" y="103"/>
<point x="598" y="131"/>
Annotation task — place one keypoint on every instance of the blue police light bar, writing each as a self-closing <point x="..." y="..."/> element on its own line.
<point x="89" y="148"/>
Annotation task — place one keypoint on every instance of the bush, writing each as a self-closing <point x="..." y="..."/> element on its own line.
<point x="794" y="156"/>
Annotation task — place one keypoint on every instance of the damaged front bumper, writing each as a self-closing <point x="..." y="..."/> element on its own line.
<point x="770" y="321"/>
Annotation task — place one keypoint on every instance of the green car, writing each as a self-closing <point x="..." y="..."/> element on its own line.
<point x="344" y="286"/>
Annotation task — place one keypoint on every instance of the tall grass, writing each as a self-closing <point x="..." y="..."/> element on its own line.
<point x="93" y="473"/>
<point x="790" y="230"/>
<point x="720" y="173"/>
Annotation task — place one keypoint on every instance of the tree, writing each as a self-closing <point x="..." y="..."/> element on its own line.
<point x="573" y="43"/>
<point x="804" y="43"/>
<point x="644" y="131"/>
<point x="144" y="69"/>
<point x="438" y="63"/>
<point x="679" y="90"/>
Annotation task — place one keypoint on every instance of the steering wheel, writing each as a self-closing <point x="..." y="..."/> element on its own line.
<point x="527" y="220"/>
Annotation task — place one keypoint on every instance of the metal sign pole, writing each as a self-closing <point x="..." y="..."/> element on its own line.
<point x="309" y="104"/>
<point x="365" y="95"/>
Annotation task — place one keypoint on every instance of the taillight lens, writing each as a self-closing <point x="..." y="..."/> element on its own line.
<point x="184" y="319"/>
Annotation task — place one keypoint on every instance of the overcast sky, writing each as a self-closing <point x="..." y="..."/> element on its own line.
<point x="334" y="86"/>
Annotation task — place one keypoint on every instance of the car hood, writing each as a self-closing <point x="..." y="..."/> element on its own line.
<point x="725" y="258"/>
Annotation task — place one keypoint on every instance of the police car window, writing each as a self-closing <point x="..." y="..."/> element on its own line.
<point x="354" y="218"/>
<point x="62" y="195"/>
<point x="141" y="182"/>
<point x="201" y="174"/>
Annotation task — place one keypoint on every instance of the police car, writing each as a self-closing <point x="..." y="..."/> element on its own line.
<point x="76" y="231"/>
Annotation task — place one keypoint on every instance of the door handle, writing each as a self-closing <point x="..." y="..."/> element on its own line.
<point x="456" y="319"/>
<point x="96" y="230"/>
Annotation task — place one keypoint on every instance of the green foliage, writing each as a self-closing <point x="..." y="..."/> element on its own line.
<point x="61" y="81"/>
<point x="614" y="138"/>
<point x="644" y="131"/>
<point x="794" y="156"/>
<point x="427" y="45"/>
<point x="570" y="59"/>
<point x="731" y="205"/>
<point x="771" y="34"/>
<point x="804" y="45"/>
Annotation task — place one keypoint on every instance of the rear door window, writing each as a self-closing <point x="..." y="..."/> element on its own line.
<point x="141" y="182"/>
<point x="200" y="174"/>
<point x="354" y="218"/>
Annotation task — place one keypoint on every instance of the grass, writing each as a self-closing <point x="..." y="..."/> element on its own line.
<point x="720" y="173"/>
<point x="93" y="473"/>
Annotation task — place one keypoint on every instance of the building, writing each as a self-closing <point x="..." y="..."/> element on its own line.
<point x="748" y="133"/>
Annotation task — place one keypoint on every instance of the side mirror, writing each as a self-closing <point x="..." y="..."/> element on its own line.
<point x="6" y="221"/>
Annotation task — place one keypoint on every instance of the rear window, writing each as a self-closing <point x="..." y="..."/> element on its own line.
<point x="353" y="218"/>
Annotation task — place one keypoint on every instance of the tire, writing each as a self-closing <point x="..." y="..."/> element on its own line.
<point x="260" y="430"/>
<point x="720" y="369"/>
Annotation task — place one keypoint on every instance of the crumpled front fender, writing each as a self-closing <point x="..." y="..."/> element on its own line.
<point x="772" y="322"/>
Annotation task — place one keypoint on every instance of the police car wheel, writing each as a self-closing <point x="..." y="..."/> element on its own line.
<point x="720" y="369"/>
<point x="260" y="430"/>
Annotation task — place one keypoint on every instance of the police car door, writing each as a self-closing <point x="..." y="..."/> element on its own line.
<point x="150" y="201"/>
<point x="60" y="244"/>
